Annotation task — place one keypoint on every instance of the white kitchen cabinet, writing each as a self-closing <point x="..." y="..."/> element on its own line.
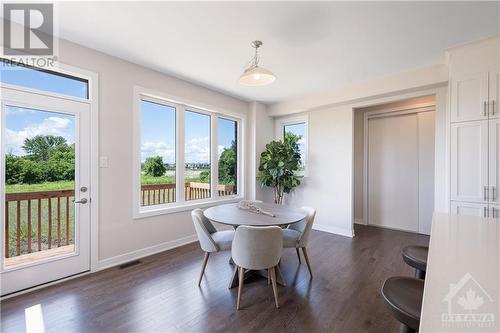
<point x="475" y="128"/>
<point x="494" y="161"/>
<point x="469" y="208"/>
<point x="469" y="161"/>
<point x="495" y="211"/>
<point x="469" y="96"/>
<point x="494" y="94"/>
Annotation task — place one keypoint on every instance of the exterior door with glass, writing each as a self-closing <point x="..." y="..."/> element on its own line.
<point x="45" y="232"/>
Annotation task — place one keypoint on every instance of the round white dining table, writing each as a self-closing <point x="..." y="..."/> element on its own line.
<point x="230" y="214"/>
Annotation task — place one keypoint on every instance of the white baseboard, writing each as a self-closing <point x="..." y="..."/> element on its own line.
<point x="333" y="230"/>
<point x="134" y="255"/>
<point x="359" y="221"/>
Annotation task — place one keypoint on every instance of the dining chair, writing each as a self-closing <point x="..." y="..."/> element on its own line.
<point x="257" y="248"/>
<point x="297" y="235"/>
<point x="210" y="239"/>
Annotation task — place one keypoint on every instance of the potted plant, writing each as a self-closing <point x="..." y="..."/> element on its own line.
<point x="279" y="165"/>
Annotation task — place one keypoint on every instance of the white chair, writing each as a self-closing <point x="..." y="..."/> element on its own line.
<point x="297" y="235"/>
<point x="210" y="239"/>
<point x="257" y="248"/>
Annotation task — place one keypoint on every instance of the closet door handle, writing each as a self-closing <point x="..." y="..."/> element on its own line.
<point x="493" y="192"/>
<point x="493" y="212"/>
<point x="493" y="107"/>
<point x="485" y="211"/>
<point x="485" y="113"/>
<point x="485" y="193"/>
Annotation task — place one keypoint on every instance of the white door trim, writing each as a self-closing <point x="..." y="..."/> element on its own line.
<point x="93" y="101"/>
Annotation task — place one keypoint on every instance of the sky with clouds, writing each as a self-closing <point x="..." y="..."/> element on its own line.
<point x="158" y="134"/>
<point x="22" y="123"/>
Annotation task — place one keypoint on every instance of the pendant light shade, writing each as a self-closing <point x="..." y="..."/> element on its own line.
<point x="255" y="75"/>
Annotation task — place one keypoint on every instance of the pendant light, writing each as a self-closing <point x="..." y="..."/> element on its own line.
<point x="255" y="75"/>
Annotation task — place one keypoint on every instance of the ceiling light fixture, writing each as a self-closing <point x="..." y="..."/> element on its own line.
<point x="255" y="75"/>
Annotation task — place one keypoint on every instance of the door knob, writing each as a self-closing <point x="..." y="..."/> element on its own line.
<point x="82" y="201"/>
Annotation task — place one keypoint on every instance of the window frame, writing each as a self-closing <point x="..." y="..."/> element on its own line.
<point x="182" y="105"/>
<point x="279" y="132"/>
<point x="61" y="70"/>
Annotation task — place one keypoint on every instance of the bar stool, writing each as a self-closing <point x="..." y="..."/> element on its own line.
<point x="403" y="297"/>
<point x="416" y="257"/>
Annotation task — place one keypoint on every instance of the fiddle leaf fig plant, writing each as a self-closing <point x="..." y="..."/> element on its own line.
<point x="279" y="165"/>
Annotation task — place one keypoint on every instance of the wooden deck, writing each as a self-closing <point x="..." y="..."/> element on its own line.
<point x="38" y="256"/>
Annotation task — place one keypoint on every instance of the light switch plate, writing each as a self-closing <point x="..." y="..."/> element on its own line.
<point x="103" y="161"/>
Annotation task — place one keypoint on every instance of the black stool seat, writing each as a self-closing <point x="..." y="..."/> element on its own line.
<point x="403" y="297"/>
<point x="416" y="257"/>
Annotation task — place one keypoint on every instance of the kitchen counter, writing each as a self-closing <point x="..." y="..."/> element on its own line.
<point x="462" y="292"/>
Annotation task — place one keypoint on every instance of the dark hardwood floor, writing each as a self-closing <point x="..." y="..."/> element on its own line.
<point x="161" y="294"/>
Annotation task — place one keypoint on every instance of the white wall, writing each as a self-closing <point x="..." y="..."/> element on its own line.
<point x="119" y="234"/>
<point x="328" y="188"/>
<point x="260" y="134"/>
<point x="404" y="82"/>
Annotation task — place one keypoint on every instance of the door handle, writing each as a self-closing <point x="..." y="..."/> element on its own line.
<point x="82" y="201"/>
<point x="493" y="192"/>
<point x="493" y="212"/>
<point x="485" y="212"/>
<point x="493" y="107"/>
<point x="485" y="193"/>
<point x="485" y="113"/>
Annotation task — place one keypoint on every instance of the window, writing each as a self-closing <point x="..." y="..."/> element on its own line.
<point x="227" y="154"/>
<point x="197" y="155"/>
<point x="158" y="178"/>
<point x="41" y="79"/>
<point x="298" y="127"/>
<point x="185" y="155"/>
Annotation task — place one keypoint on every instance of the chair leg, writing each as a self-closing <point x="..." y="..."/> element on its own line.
<point x="304" y="251"/>
<point x="405" y="329"/>
<point x="419" y="274"/>
<point x="241" y="273"/>
<point x="275" y="289"/>
<point x="298" y="255"/>
<point x="205" y="260"/>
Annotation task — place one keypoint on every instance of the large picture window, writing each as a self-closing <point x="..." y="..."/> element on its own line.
<point x="185" y="156"/>
<point x="228" y="161"/>
<point x="197" y="155"/>
<point x="297" y="127"/>
<point x="158" y="179"/>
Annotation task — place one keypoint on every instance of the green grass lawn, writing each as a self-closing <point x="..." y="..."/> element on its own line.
<point x="48" y="186"/>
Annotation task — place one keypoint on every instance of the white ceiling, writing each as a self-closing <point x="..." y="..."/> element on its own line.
<point x="311" y="47"/>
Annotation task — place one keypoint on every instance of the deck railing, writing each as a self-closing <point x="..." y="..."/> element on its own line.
<point x="37" y="221"/>
<point x="165" y="193"/>
<point x="46" y="216"/>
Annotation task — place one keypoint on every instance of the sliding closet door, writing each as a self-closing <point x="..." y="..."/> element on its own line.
<point x="393" y="172"/>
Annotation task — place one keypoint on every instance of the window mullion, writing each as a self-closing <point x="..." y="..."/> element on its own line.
<point x="179" y="154"/>
<point x="214" y="156"/>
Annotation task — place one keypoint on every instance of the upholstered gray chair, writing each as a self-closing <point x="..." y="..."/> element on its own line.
<point x="257" y="248"/>
<point x="297" y="235"/>
<point x="210" y="239"/>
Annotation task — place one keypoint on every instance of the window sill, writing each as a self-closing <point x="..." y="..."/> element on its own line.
<point x="185" y="206"/>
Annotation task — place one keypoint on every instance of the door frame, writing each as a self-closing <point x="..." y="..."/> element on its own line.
<point x="93" y="82"/>
<point x="389" y="112"/>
